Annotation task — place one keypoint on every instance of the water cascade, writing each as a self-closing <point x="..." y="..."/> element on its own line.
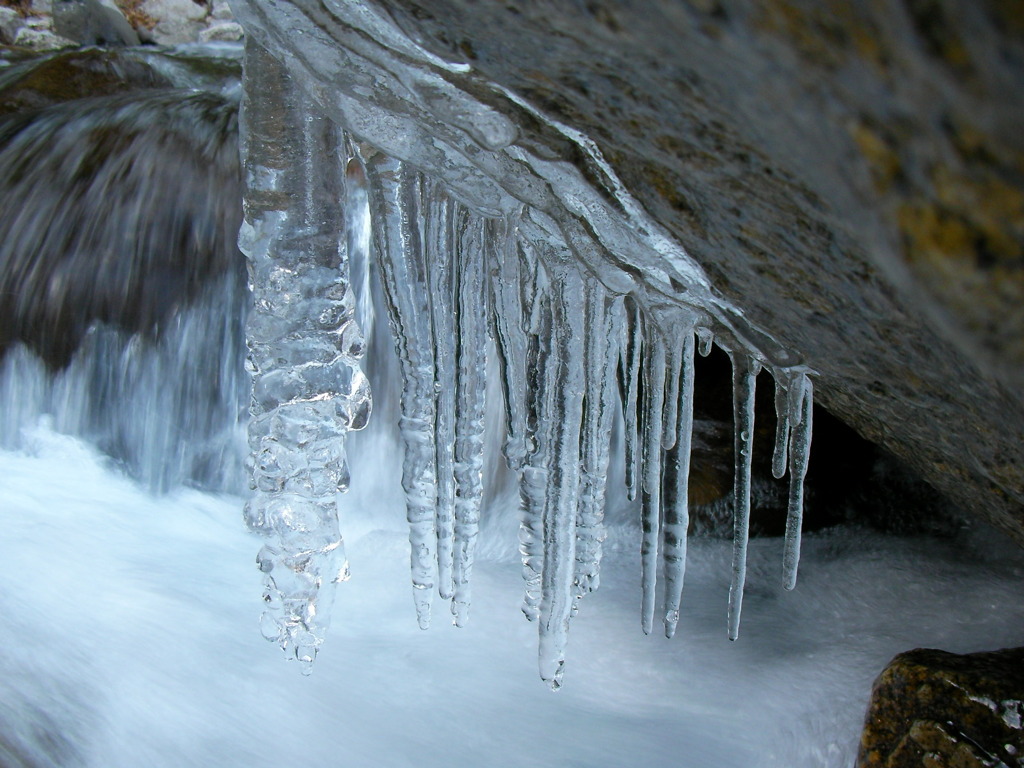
<point x="591" y="306"/>
<point x="124" y="290"/>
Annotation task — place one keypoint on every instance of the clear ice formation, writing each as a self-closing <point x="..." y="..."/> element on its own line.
<point x="304" y="348"/>
<point x="477" y="233"/>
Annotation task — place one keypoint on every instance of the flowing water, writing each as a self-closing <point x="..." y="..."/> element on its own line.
<point x="131" y="597"/>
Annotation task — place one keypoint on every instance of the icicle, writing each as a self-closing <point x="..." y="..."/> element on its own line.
<point x="744" y="374"/>
<point x="632" y="350"/>
<point x="509" y="335"/>
<point x="358" y="240"/>
<point x="677" y="479"/>
<point x="534" y="479"/>
<point x="439" y="244"/>
<point x="304" y="348"/>
<point x="800" y="451"/>
<point x="706" y="339"/>
<point x="395" y="206"/>
<point x="781" y="425"/>
<point x="673" y="370"/>
<point x="471" y="352"/>
<point x="601" y="351"/>
<point x="652" y="431"/>
<point x="563" y="381"/>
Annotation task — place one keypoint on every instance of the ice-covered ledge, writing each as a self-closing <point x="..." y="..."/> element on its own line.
<point x="819" y="166"/>
<point x="494" y="151"/>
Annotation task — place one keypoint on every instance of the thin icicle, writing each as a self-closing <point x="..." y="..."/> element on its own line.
<point x="563" y="374"/>
<point x="632" y="350"/>
<point x="781" y="425"/>
<point x="744" y="374"/>
<point x="395" y="206"/>
<point x="677" y="484"/>
<point x="509" y="335"/>
<point x="799" y="453"/>
<point x="471" y="351"/>
<point x="601" y="351"/>
<point x="652" y="432"/>
<point x="438" y="242"/>
<point x="358" y="239"/>
<point x="533" y="481"/>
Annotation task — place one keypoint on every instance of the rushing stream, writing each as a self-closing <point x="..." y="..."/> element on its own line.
<point x="131" y="628"/>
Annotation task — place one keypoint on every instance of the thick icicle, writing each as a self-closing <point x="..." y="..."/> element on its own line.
<point x="650" y="473"/>
<point x="632" y="350"/>
<point x="471" y="355"/>
<point x="439" y="244"/>
<point x="396" y="210"/>
<point x="799" y="453"/>
<point x="304" y="347"/>
<point x="563" y="380"/>
<point x="601" y="352"/>
<point x="744" y="374"/>
<point x="508" y="334"/>
<point x="533" y="481"/>
<point x="677" y="483"/>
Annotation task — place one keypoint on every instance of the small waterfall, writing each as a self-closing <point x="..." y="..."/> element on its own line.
<point x="124" y="295"/>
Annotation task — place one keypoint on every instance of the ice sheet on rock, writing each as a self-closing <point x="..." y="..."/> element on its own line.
<point x="304" y="349"/>
<point x="396" y="208"/>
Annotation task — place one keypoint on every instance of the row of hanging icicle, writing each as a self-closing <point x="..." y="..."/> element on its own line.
<point x="569" y="354"/>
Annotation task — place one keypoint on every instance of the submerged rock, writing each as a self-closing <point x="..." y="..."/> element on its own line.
<point x="932" y="708"/>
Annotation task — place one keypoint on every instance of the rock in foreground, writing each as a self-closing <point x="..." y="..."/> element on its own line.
<point x="933" y="708"/>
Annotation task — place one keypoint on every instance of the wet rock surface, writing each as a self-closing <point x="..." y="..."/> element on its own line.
<point x="128" y="191"/>
<point x="851" y="176"/>
<point x="932" y="708"/>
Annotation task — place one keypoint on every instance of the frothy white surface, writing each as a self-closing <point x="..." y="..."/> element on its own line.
<point x="130" y="639"/>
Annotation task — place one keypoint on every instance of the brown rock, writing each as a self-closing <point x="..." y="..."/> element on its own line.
<point x="932" y="709"/>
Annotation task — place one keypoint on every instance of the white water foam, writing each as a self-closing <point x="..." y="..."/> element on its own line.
<point x="130" y="639"/>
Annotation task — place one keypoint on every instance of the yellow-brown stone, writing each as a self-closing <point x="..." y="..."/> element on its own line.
<point x="934" y="709"/>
